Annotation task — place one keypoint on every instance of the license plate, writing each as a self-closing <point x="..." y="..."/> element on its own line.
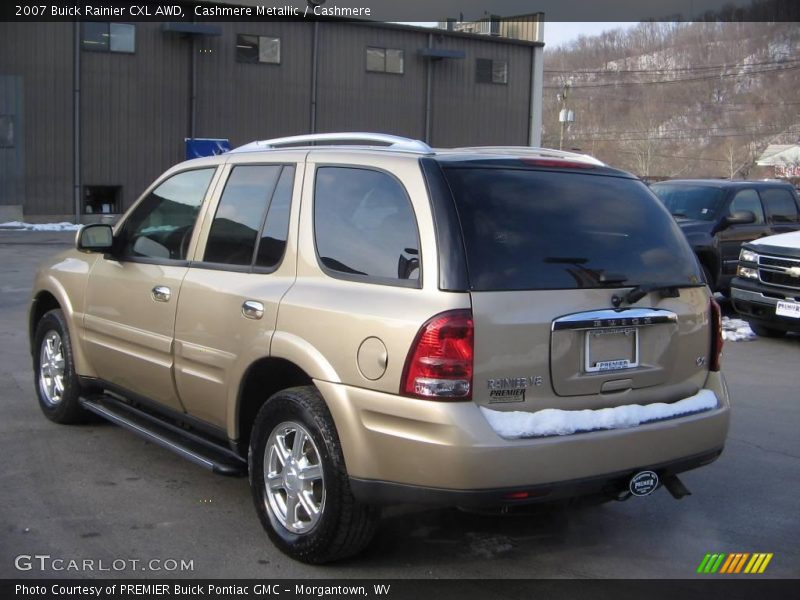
<point x="788" y="309"/>
<point x="611" y="349"/>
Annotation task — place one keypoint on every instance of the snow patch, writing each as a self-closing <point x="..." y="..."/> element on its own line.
<point x="736" y="330"/>
<point x="19" y="225"/>
<point x="553" y="421"/>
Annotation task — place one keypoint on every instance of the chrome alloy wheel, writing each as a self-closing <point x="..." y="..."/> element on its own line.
<point x="293" y="480"/>
<point x="51" y="368"/>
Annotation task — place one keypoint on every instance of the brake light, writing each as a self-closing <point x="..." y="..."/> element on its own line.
<point x="559" y="164"/>
<point x="439" y="363"/>
<point x="716" y="336"/>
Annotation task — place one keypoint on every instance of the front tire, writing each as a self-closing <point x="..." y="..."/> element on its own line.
<point x="299" y="481"/>
<point x="57" y="386"/>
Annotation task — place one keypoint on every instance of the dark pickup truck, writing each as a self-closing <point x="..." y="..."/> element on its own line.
<point x="718" y="216"/>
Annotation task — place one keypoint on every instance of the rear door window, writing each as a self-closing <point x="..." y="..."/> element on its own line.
<point x="364" y="226"/>
<point x="252" y="219"/>
<point x="530" y="230"/>
<point x="780" y="204"/>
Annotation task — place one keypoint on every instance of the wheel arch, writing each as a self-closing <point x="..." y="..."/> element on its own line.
<point x="263" y="378"/>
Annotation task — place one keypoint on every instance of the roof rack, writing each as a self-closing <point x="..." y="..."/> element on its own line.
<point x="533" y="151"/>
<point x="393" y="142"/>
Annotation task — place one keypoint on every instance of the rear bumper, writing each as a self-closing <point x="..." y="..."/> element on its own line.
<point x="608" y="485"/>
<point x="400" y="449"/>
<point x="756" y="302"/>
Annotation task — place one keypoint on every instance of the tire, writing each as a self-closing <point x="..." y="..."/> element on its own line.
<point x="294" y="435"/>
<point x="707" y="277"/>
<point x="57" y="386"/>
<point x="769" y="332"/>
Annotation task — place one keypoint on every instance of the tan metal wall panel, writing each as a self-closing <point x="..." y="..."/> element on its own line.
<point x="244" y="102"/>
<point x="466" y="113"/>
<point x="134" y="111"/>
<point x="41" y="54"/>
<point x="353" y="99"/>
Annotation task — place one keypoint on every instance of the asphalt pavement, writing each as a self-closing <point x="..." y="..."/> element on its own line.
<point x="98" y="493"/>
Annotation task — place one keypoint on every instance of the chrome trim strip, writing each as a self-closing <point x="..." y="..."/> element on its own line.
<point x="605" y="318"/>
<point x="748" y="296"/>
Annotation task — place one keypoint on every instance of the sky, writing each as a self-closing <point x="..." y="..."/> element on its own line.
<point x="559" y="33"/>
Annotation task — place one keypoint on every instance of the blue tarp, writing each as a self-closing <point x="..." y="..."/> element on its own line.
<point x="199" y="147"/>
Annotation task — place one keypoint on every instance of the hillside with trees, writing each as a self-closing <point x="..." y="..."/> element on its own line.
<point x="699" y="99"/>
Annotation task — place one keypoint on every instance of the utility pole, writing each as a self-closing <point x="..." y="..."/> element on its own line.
<point x="565" y="116"/>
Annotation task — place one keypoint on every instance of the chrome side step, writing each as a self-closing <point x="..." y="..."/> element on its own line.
<point x="195" y="448"/>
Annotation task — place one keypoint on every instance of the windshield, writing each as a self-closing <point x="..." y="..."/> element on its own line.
<point x="531" y="230"/>
<point x="698" y="202"/>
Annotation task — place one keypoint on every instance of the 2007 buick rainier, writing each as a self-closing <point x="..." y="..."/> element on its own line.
<point x="356" y="319"/>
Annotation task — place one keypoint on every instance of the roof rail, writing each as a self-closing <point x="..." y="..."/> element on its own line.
<point x="534" y="151"/>
<point x="394" y="142"/>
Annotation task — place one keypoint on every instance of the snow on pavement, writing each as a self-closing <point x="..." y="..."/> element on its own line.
<point x="736" y="330"/>
<point x="553" y="421"/>
<point x="19" y="225"/>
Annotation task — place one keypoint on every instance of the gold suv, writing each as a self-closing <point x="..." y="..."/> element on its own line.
<point x="362" y="324"/>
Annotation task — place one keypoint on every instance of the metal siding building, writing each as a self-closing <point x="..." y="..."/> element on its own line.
<point x="135" y="109"/>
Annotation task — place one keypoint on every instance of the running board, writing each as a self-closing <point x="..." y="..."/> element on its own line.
<point x="189" y="445"/>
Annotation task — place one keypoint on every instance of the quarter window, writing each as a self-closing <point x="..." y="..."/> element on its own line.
<point x="258" y="49"/>
<point x="108" y="37"/>
<point x="385" y="60"/>
<point x="491" y="71"/>
<point x="364" y="226"/>
<point x="161" y="226"/>
<point x="780" y="204"/>
<point x="748" y="200"/>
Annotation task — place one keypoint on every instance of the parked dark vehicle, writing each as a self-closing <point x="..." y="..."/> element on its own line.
<point x="766" y="291"/>
<point x="718" y="216"/>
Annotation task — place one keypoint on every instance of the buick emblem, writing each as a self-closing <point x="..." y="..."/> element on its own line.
<point x="643" y="483"/>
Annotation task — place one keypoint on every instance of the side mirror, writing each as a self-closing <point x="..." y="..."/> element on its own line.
<point x="98" y="237"/>
<point x="740" y="217"/>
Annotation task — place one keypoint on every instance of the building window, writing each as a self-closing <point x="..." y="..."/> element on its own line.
<point x="108" y="37"/>
<point x="258" y="49"/>
<point x="101" y="199"/>
<point x="385" y="60"/>
<point x="491" y="71"/>
<point x="6" y="131"/>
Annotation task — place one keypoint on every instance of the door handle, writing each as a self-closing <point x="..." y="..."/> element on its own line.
<point x="161" y="293"/>
<point x="252" y="309"/>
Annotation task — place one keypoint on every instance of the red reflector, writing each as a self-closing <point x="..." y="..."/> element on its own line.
<point x="439" y="363"/>
<point x="715" y="317"/>
<point x="557" y="163"/>
<point x="516" y="495"/>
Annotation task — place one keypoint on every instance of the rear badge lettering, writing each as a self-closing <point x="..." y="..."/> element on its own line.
<point x="511" y="389"/>
<point x="643" y="483"/>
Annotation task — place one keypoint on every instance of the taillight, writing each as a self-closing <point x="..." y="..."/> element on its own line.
<point x="716" y="336"/>
<point x="557" y="163"/>
<point x="439" y="363"/>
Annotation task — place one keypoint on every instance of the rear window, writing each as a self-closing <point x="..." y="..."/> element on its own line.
<point x="697" y="202"/>
<point x="536" y="230"/>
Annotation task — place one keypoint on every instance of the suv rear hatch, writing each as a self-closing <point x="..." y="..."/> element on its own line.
<point x="551" y="255"/>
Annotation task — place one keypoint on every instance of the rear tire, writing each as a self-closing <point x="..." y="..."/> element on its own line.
<point x="57" y="385"/>
<point x="299" y="481"/>
<point x="769" y="332"/>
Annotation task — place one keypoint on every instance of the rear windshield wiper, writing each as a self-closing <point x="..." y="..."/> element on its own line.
<point x="668" y="290"/>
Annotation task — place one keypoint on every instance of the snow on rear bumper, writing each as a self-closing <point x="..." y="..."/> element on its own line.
<point x="555" y="422"/>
